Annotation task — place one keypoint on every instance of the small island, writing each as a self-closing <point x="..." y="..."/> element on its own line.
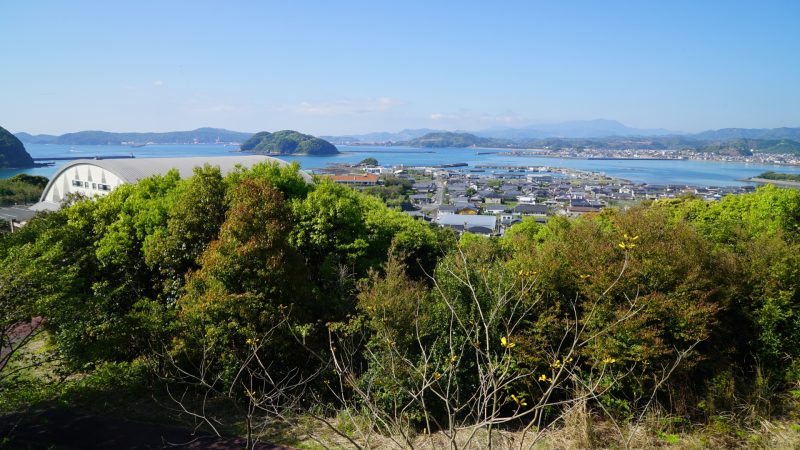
<point x="12" y="153"/>
<point x="778" y="178"/>
<point x="288" y="142"/>
<point x="451" y="140"/>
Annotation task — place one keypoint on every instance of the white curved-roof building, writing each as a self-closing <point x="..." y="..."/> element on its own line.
<point x="93" y="177"/>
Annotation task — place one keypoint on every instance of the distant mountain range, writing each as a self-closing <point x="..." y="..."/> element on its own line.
<point x="381" y="136"/>
<point x="575" y="129"/>
<point x="599" y="133"/>
<point x="569" y="129"/>
<point x="724" y="146"/>
<point x="198" y="136"/>
<point x="572" y="129"/>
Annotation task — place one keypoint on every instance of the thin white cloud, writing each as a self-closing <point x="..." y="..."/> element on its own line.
<point x="158" y="83"/>
<point x="469" y="117"/>
<point x="344" y="107"/>
<point x="215" y="108"/>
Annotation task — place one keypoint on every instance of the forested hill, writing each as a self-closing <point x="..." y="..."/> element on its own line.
<point x="288" y="142"/>
<point x="748" y="146"/>
<point x="198" y="136"/>
<point x="749" y="133"/>
<point x="12" y="152"/>
<point x="456" y="140"/>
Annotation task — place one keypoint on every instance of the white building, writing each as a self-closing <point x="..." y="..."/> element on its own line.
<point x="98" y="177"/>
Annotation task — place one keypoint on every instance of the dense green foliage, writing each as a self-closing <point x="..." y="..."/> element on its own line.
<point x="394" y="191"/>
<point x="690" y="304"/>
<point x="21" y="189"/>
<point x="770" y="175"/>
<point x="287" y="142"/>
<point x="12" y="152"/>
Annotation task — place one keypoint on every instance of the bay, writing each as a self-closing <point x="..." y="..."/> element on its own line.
<point x="681" y="172"/>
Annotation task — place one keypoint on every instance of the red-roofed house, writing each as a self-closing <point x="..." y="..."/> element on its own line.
<point x="365" y="179"/>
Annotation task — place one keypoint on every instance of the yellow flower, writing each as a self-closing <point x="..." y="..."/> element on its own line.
<point x="520" y="401"/>
<point x="609" y="360"/>
<point x="506" y="343"/>
<point x="556" y="364"/>
<point x="628" y="242"/>
<point x="544" y="377"/>
<point x="436" y="375"/>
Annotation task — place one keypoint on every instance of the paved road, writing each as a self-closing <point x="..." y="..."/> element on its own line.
<point x="439" y="196"/>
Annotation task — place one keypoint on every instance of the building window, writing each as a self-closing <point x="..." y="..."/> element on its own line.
<point x="94" y="185"/>
<point x="77" y="183"/>
<point x="86" y="184"/>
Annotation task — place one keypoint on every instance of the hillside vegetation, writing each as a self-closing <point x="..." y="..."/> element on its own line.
<point x="770" y="175"/>
<point x="276" y="309"/>
<point x="12" y="152"/>
<point x="288" y="142"/>
<point x="21" y="189"/>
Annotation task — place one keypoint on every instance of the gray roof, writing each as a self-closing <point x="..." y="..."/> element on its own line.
<point x="530" y="209"/>
<point x="17" y="213"/>
<point x="132" y="170"/>
<point x="467" y="220"/>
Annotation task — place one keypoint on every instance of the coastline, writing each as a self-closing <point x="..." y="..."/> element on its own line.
<point x="794" y="184"/>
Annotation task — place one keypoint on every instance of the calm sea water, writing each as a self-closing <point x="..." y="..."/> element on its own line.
<point x="699" y="173"/>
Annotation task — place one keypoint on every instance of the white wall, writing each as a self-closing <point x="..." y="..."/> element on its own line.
<point x="94" y="176"/>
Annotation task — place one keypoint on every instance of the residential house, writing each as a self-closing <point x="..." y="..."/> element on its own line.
<point x="360" y="179"/>
<point x="530" y="210"/>
<point x="420" y="199"/>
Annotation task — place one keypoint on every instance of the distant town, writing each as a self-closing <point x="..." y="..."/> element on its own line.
<point x="489" y="199"/>
<point x="786" y="159"/>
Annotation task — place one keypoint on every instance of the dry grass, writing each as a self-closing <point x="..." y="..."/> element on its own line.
<point x="579" y="430"/>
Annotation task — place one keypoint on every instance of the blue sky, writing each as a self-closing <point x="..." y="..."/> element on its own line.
<point x="341" y="67"/>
